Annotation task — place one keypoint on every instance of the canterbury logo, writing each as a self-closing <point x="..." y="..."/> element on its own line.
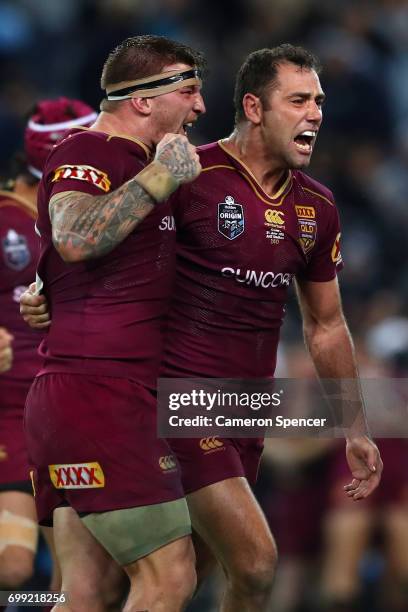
<point x="274" y="216"/>
<point x="167" y="463"/>
<point x="77" y="476"/>
<point x="210" y="443"/>
<point x="307" y="212"/>
<point x="83" y="173"/>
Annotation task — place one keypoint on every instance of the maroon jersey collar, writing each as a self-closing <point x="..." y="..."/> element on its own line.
<point x="284" y="185"/>
<point x="141" y="144"/>
<point x="147" y="152"/>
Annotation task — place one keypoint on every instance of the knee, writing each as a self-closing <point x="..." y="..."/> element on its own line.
<point x="255" y="573"/>
<point x="15" y="570"/>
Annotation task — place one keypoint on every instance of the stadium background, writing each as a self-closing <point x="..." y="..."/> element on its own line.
<point x="50" y="48"/>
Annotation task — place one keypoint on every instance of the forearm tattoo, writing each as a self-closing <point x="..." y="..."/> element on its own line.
<point x="91" y="226"/>
<point x="177" y="158"/>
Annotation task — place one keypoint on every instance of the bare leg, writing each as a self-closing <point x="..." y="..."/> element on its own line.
<point x="164" y="581"/>
<point x="55" y="583"/>
<point x="228" y="518"/>
<point x="205" y="560"/>
<point x="289" y="587"/>
<point x="396" y="531"/>
<point x="18" y="523"/>
<point x="347" y="531"/>
<point x="89" y="574"/>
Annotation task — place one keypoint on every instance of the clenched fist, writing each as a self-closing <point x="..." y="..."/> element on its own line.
<point x="176" y="162"/>
<point x="34" y="308"/>
<point x="179" y="156"/>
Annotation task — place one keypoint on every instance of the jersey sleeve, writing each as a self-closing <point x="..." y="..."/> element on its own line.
<point x="325" y="259"/>
<point x="85" y="163"/>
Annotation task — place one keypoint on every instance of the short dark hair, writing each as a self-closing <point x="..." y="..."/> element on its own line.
<point x="142" y="56"/>
<point x="258" y="73"/>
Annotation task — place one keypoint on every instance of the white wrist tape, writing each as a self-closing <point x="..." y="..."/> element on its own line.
<point x="157" y="180"/>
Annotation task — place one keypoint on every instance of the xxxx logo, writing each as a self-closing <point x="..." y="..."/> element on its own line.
<point x="207" y="444"/>
<point x="77" y="476"/>
<point x="308" y="212"/>
<point x="83" y="173"/>
<point x="167" y="463"/>
<point x="274" y="216"/>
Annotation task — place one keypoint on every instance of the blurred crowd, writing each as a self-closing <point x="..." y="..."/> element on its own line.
<point x="49" y="49"/>
<point x="57" y="48"/>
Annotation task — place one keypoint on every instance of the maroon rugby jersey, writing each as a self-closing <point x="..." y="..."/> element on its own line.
<point x="19" y="254"/>
<point x="107" y="313"/>
<point x="238" y="251"/>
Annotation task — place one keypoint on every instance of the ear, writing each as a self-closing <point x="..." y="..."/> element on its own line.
<point x="142" y="105"/>
<point x="252" y="108"/>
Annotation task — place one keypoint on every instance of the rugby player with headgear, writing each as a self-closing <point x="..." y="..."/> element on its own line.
<point x="110" y="487"/>
<point x="48" y="124"/>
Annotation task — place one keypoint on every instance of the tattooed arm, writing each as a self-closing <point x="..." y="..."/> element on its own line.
<point x="85" y="226"/>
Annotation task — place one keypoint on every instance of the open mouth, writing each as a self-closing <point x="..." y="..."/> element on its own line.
<point x="186" y="127"/>
<point x="305" y="140"/>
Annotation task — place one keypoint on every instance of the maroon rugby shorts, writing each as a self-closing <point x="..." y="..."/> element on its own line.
<point x="206" y="461"/>
<point x="93" y="445"/>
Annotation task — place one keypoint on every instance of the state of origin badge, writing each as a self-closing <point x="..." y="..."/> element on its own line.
<point x="16" y="253"/>
<point x="231" y="221"/>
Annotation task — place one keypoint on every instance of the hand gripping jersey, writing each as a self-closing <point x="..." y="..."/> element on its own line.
<point x="238" y="251"/>
<point x="107" y="313"/>
<point x="19" y="253"/>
